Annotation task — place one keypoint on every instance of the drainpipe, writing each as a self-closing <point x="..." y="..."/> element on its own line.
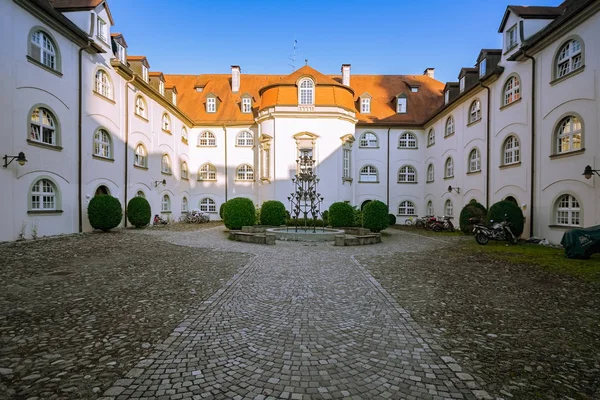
<point x="126" y="173"/>
<point x="488" y="150"/>
<point x="388" y="170"/>
<point x="532" y="194"/>
<point x="259" y="164"/>
<point x="226" y="166"/>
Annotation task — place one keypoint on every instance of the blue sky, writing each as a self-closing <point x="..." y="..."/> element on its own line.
<point x="376" y="37"/>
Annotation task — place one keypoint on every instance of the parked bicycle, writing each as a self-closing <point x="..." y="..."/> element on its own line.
<point x="194" y="217"/>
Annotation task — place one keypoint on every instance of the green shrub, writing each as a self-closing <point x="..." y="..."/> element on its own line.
<point x="239" y="212"/>
<point x="257" y="216"/>
<point x="273" y="213"/>
<point x="358" y="217"/>
<point x="341" y="215"/>
<point x="472" y="210"/>
<point x="105" y="212"/>
<point x="138" y="212"/>
<point x="513" y="213"/>
<point x="391" y="220"/>
<point x="221" y="210"/>
<point x="326" y="217"/>
<point x="375" y="216"/>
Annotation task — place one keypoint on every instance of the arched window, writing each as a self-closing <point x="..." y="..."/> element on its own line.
<point x="430" y="208"/>
<point x="165" y="164"/>
<point x="102" y="189"/>
<point x="568" y="135"/>
<point x="448" y="208"/>
<point x="141" y="156"/>
<point x="569" y="58"/>
<point x="208" y="205"/>
<point x="102" y="144"/>
<point x="430" y="173"/>
<point x="166" y="123"/>
<point x="449" y="168"/>
<point x="407" y="208"/>
<point x="245" y="138"/>
<point x="184" y="170"/>
<point x="407" y="141"/>
<point x="475" y="111"/>
<point x="43" y="196"/>
<point x="511" y="150"/>
<point x="431" y="137"/>
<point x="512" y="90"/>
<point x="43" y="49"/>
<point x="43" y="127"/>
<point x="102" y="84"/>
<point x="245" y="173"/>
<point x="474" y="161"/>
<point x="207" y="172"/>
<point x="407" y="174"/>
<point x="306" y="96"/>
<point x="207" y="138"/>
<point x="140" y="194"/>
<point x="567" y="210"/>
<point x="369" y="139"/>
<point x="140" y="106"/>
<point x="184" y="135"/>
<point x="368" y="173"/>
<point x="449" y="126"/>
<point x="184" y="204"/>
<point x="165" y="204"/>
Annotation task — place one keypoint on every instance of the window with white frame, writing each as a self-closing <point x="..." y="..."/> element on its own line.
<point x="449" y="168"/>
<point x="407" y="174"/>
<point x="166" y="123"/>
<point x="174" y="98"/>
<point x="161" y="87"/>
<point x="165" y="204"/>
<point x="430" y="208"/>
<point x="245" y="173"/>
<point x="211" y="104"/>
<point x="208" y="205"/>
<point x="475" y="111"/>
<point x="346" y="156"/>
<point x="511" y="151"/>
<point x="407" y="141"/>
<point x="184" y="170"/>
<point x="431" y="137"/>
<point x="102" y="84"/>
<point x="102" y="144"/>
<point x="449" y="126"/>
<point x="482" y="67"/>
<point x="461" y="84"/>
<point x="567" y="211"/>
<point x="245" y="139"/>
<point x="165" y="164"/>
<point x="140" y="106"/>
<point x="365" y="105"/>
<point x="140" y="194"/>
<point x="569" y="58"/>
<point x="184" y="135"/>
<point x="368" y="173"/>
<point x="474" y="161"/>
<point x="511" y="37"/>
<point x="246" y="105"/>
<point x="102" y="30"/>
<point x="207" y="138"/>
<point x="43" y="196"/>
<point x="43" y="127"/>
<point x="430" y="173"/>
<point x="568" y="135"/>
<point x="141" y="156"/>
<point x="306" y="95"/>
<point x="184" y="205"/>
<point x="207" y="172"/>
<point x="448" y="208"/>
<point x="121" y="54"/>
<point x="512" y="90"/>
<point x="369" y="139"/>
<point x="43" y="49"/>
<point x="144" y="73"/>
<point x="446" y="97"/>
<point x="401" y="104"/>
<point x="407" y="208"/>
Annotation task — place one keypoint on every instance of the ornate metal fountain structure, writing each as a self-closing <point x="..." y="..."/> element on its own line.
<point x="305" y="200"/>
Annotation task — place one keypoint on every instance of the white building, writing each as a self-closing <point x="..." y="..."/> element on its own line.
<point x="519" y="125"/>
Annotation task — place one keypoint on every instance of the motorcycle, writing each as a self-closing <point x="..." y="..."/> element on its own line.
<point x="497" y="231"/>
<point x="443" y="224"/>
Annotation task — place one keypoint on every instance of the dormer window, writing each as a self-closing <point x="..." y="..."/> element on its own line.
<point x="102" y="30"/>
<point x="511" y="37"/>
<point x="365" y="105"/>
<point x="306" y="94"/>
<point x="161" y="87"/>
<point x="211" y="104"/>
<point x="144" y="73"/>
<point x="246" y="105"/>
<point x="401" y="104"/>
<point x="447" y="97"/>
<point x="482" y="67"/>
<point x="462" y="84"/>
<point x="174" y="98"/>
<point x="414" y="89"/>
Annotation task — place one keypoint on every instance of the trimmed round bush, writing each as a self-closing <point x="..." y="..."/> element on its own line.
<point x="138" y="212"/>
<point x="391" y="220"/>
<point x="375" y="216"/>
<point x="513" y="213"/>
<point x="239" y="212"/>
<point x="221" y="210"/>
<point x="472" y="210"/>
<point x="326" y="217"/>
<point x="273" y="213"/>
<point x="105" y="212"/>
<point x="357" y="219"/>
<point x="341" y="215"/>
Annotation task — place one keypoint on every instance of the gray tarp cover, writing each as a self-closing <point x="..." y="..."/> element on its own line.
<point x="581" y="243"/>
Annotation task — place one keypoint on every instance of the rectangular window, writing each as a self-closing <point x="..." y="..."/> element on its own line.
<point x="365" y="106"/>
<point x="144" y="73"/>
<point x="246" y="105"/>
<point x="462" y="84"/>
<point x="446" y="97"/>
<point x="414" y="89"/>
<point x="121" y="53"/>
<point x="401" y="106"/>
<point x="174" y="99"/>
<point x="102" y="30"/>
<point x="346" y="164"/>
<point x="511" y="38"/>
<point x="482" y="67"/>
<point x="161" y="87"/>
<point x="211" y="105"/>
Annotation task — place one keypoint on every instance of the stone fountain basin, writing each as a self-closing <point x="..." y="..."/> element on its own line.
<point x="289" y="233"/>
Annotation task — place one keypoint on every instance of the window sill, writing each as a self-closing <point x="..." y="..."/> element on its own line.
<point x="44" y="145"/>
<point x="511" y="104"/>
<point x="407" y="183"/>
<point x="408" y="148"/>
<point x="513" y="165"/>
<point x="556" y="226"/>
<point x="474" y="122"/>
<point x="140" y="167"/>
<point x="450" y="135"/>
<point x="567" y="154"/>
<point x="244" y="180"/>
<point x="510" y="47"/>
<point x="44" y="66"/>
<point x="567" y="76"/>
<point x="265" y="180"/>
<point x="185" y="179"/>
<point x="104" y="97"/>
<point x="346" y="179"/>
<point x="184" y="142"/>
<point x="474" y="172"/>
<point x="166" y="173"/>
<point x="168" y="132"/>
<point x="141" y="117"/>
<point x="406" y="215"/>
<point x="207" y="145"/>
<point x="44" y="212"/>
<point x="449" y="177"/>
<point x="245" y="145"/>
<point x="431" y="145"/>
<point x="207" y="180"/>
<point x="368" y="182"/>
<point x="165" y="212"/>
<point x="368" y="147"/>
<point x="100" y="158"/>
<point x="429" y="181"/>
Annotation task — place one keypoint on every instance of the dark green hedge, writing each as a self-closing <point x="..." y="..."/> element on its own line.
<point x="105" y="212"/>
<point x="472" y="210"/>
<point x="375" y="216"/>
<point x="138" y="212"/>
<point x="239" y="212"/>
<point x="391" y="220"/>
<point x="272" y="212"/>
<point x="341" y="215"/>
<point x="513" y="212"/>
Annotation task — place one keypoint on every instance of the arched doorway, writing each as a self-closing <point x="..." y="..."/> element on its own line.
<point x="364" y="203"/>
<point x="101" y="190"/>
<point x="512" y="200"/>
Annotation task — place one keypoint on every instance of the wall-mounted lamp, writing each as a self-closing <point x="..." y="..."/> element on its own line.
<point x="20" y="159"/>
<point x="163" y="182"/>
<point x="588" y="172"/>
<point x="456" y="189"/>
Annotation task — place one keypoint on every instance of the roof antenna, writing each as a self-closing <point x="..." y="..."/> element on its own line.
<point x="292" y="58"/>
<point x="306" y="61"/>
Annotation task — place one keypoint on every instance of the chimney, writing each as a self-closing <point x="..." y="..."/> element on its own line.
<point x="429" y="72"/>
<point x="235" y="78"/>
<point x="346" y="74"/>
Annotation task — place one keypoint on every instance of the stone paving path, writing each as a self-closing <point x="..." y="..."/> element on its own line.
<point x="298" y="322"/>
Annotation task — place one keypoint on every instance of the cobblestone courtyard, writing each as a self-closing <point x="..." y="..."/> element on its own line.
<point x="152" y="316"/>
